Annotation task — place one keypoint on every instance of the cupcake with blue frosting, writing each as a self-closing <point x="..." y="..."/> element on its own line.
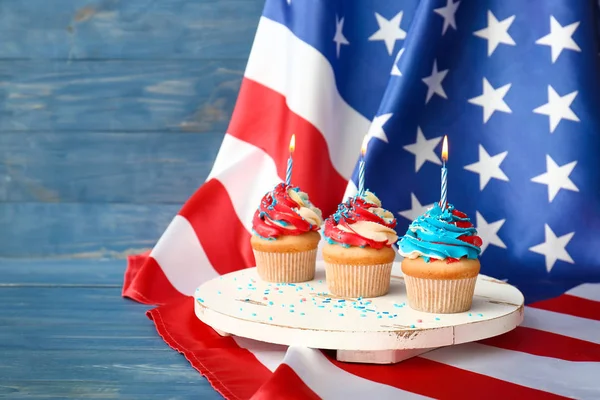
<point x="441" y="265"/>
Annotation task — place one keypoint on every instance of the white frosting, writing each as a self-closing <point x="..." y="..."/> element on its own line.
<point x="372" y="230"/>
<point x="371" y="198"/>
<point x="382" y="213"/>
<point x="269" y="221"/>
<point x="305" y="208"/>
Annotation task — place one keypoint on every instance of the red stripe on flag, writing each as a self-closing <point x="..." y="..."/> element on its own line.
<point x="262" y="118"/>
<point x="231" y="370"/>
<point x="572" y="305"/>
<point x="223" y="237"/>
<point x="285" y="384"/>
<point x="440" y="381"/>
<point x="146" y="282"/>
<point x="546" y="344"/>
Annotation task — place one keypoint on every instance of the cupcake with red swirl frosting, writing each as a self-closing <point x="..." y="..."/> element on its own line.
<point x="440" y="265"/>
<point x="285" y="235"/>
<point x="358" y="254"/>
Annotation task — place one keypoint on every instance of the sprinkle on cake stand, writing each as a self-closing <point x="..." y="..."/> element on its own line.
<point x="377" y="330"/>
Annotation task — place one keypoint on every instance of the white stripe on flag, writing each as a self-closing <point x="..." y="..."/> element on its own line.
<point x="566" y="378"/>
<point x="590" y="291"/>
<point x="247" y="173"/>
<point x="331" y="382"/>
<point x="270" y="355"/>
<point x="284" y="63"/>
<point x="311" y="366"/>
<point x="562" y="324"/>
<point x="351" y="189"/>
<point x="181" y="257"/>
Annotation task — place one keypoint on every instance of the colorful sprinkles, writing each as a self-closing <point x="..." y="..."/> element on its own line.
<point x="308" y="300"/>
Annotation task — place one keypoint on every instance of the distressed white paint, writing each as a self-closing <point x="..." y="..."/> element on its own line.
<point x="238" y="304"/>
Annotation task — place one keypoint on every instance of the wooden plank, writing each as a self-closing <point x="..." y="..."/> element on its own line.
<point x="87" y="343"/>
<point x="178" y="388"/>
<point x="81" y="230"/>
<point x="41" y="294"/>
<point x="75" y="318"/>
<point x="119" y="95"/>
<point x="94" y="365"/>
<point x="127" y="167"/>
<point x="49" y="305"/>
<point x="57" y="273"/>
<point x="132" y="29"/>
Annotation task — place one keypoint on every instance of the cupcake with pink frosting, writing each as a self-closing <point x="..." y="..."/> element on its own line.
<point x="358" y="254"/>
<point x="285" y="235"/>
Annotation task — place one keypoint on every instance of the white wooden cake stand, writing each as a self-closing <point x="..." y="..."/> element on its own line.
<point x="379" y="330"/>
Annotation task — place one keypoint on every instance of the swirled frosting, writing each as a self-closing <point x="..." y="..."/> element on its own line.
<point x="285" y="211"/>
<point x="360" y="221"/>
<point x="448" y="235"/>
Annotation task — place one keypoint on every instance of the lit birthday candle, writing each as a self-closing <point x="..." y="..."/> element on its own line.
<point x="288" y="172"/>
<point x="361" y="167"/>
<point x="444" y="197"/>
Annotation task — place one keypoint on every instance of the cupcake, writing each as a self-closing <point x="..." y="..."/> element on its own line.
<point x="358" y="254"/>
<point x="440" y="265"/>
<point x="285" y="235"/>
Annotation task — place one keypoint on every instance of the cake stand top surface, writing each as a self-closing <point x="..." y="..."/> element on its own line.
<point x="305" y="314"/>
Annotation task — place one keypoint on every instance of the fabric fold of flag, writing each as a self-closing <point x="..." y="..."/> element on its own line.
<point x="515" y="87"/>
<point x="534" y="362"/>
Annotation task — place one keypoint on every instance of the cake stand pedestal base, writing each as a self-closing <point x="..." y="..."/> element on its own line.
<point x="380" y="356"/>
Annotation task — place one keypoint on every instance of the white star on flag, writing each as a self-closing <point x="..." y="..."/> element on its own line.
<point x="376" y="128"/>
<point x="492" y="100"/>
<point x="389" y="31"/>
<point x="488" y="232"/>
<point x="395" y="70"/>
<point x="423" y="150"/>
<point x="559" y="38"/>
<point x="339" y="37"/>
<point x="488" y="167"/>
<point x="416" y="208"/>
<point x="434" y="83"/>
<point x="496" y="32"/>
<point x="553" y="248"/>
<point x="448" y="13"/>
<point x="556" y="177"/>
<point x="558" y="108"/>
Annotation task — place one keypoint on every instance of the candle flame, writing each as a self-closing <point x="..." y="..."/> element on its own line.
<point x="293" y="143"/>
<point x="363" y="148"/>
<point x="445" y="149"/>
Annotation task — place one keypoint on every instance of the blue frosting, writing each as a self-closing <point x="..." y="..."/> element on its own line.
<point x="433" y="235"/>
<point x="331" y="241"/>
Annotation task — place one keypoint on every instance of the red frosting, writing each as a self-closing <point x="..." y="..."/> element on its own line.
<point x="278" y="206"/>
<point x="354" y="210"/>
<point x="474" y="240"/>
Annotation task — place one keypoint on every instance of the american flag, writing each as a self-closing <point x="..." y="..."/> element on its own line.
<point x="514" y="85"/>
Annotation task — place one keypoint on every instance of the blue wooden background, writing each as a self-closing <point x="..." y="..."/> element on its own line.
<point x="111" y="115"/>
